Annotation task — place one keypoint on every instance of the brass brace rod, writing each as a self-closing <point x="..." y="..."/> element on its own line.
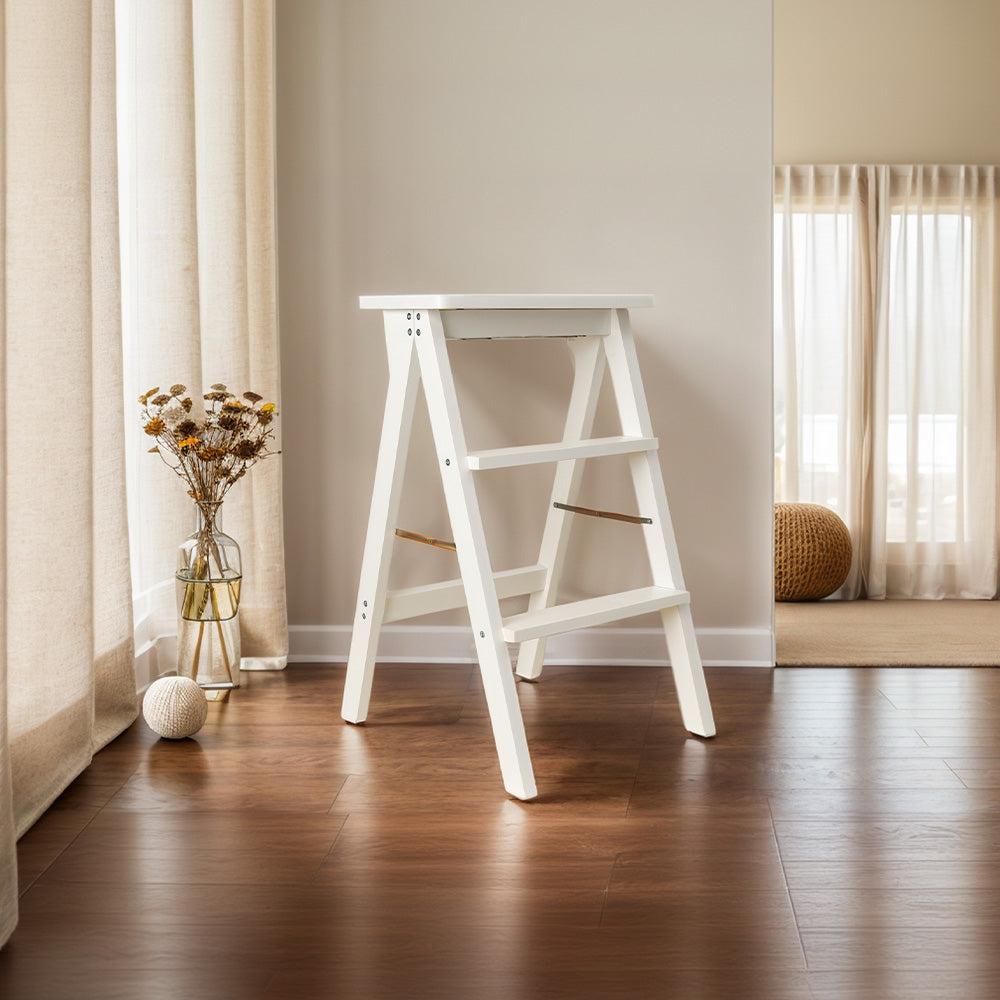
<point x="415" y="536"/>
<point x="590" y="512"/>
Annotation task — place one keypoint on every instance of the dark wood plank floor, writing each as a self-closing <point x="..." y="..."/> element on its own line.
<point x="838" y="840"/>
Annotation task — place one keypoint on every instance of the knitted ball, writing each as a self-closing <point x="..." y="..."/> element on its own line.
<point x="175" y="707"/>
<point x="812" y="551"/>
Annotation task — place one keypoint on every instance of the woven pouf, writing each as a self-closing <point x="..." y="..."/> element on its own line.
<point x="174" y="707"/>
<point x="812" y="551"/>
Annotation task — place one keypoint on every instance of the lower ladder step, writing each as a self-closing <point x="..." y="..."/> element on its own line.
<point x="592" y="611"/>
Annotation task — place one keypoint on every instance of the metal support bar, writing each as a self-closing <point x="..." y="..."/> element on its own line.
<point x="415" y="536"/>
<point x="590" y="512"/>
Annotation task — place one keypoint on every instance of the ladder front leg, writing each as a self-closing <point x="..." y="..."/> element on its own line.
<point x="474" y="561"/>
<point x="399" y="408"/>
<point x="661" y="544"/>
<point x="689" y="677"/>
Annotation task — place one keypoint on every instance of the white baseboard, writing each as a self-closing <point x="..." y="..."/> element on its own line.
<point x="157" y="657"/>
<point x="720" y="647"/>
<point x="640" y="647"/>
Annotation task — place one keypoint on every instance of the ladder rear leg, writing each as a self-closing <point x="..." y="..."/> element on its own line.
<point x="588" y="370"/>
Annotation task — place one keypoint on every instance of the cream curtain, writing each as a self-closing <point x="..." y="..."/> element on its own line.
<point x="200" y="303"/>
<point x="886" y="392"/>
<point x="66" y="660"/>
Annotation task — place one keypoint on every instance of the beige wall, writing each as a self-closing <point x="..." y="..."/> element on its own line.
<point x="886" y="81"/>
<point x="533" y="145"/>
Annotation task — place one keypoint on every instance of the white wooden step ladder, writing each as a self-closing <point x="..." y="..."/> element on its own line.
<point x="597" y="331"/>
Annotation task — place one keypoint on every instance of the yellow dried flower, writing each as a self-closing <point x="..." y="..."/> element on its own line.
<point x="190" y="442"/>
<point x="154" y="427"/>
<point x="268" y="408"/>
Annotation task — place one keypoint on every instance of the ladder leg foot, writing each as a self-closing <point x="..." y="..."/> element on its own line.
<point x="529" y="659"/>
<point x="521" y="790"/>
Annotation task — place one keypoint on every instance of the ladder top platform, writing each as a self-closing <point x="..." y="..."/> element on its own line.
<point x="505" y="301"/>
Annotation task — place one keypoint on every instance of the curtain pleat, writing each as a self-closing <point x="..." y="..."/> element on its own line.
<point x="886" y="332"/>
<point x="67" y="668"/>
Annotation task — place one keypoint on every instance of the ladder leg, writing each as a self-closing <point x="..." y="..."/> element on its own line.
<point x="689" y="677"/>
<point x="588" y="369"/>
<point x="399" y="408"/>
<point x="473" y="559"/>
<point x="661" y="545"/>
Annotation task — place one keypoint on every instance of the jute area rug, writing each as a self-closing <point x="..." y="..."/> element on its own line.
<point x="888" y="634"/>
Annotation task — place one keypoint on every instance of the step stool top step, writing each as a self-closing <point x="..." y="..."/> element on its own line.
<point x="506" y="301"/>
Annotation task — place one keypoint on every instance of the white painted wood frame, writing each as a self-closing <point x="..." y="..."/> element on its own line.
<point x="598" y="335"/>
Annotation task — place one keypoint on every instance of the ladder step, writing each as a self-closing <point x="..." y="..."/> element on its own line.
<point x="429" y="598"/>
<point x="592" y="611"/>
<point x="533" y="454"/>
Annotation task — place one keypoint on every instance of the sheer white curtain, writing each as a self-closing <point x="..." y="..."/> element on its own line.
<point x="200" y="295"/>
<point x="935" y="420"/>
<point x="825" y="227"/>
<point x="886" y="326"/>
<point x="66" y="659"/>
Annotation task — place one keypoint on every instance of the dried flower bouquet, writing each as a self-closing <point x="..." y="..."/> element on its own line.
<point x="212" y="446"/>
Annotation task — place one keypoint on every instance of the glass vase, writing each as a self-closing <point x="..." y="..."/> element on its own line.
<point x="209" y="573"/>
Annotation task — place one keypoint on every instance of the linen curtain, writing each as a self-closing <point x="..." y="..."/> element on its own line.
<point x="885" y="382"/>
<point x="67" y="683"/>
<point x="200" y="299"/>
